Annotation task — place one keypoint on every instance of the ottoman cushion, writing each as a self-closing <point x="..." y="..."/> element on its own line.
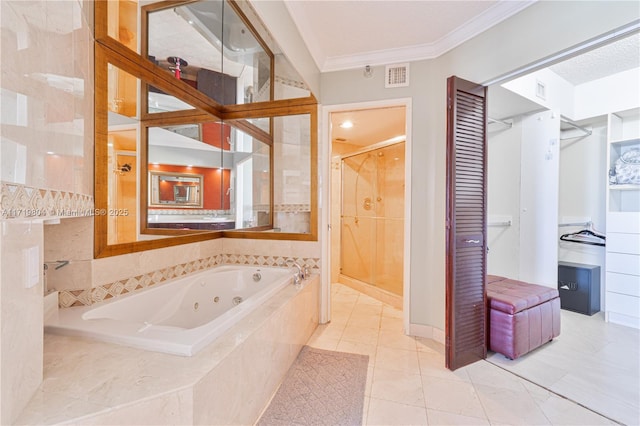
<point x="511" y="296"/>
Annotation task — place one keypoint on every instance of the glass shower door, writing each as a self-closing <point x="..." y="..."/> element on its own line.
<point x="373" y="217"/>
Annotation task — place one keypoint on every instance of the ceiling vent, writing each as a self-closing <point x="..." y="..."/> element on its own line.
<point x="396" y="75"/>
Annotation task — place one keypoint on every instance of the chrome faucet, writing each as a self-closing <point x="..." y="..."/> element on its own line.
<point x="301" y="273"/>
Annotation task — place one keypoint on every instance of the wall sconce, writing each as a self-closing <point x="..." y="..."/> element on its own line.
<point x="368" y="71"/>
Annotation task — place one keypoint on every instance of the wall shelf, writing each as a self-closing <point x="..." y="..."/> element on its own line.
<point x="622" y="280"/>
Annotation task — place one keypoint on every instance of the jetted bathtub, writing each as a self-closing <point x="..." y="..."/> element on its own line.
<point x="180" y="316"/>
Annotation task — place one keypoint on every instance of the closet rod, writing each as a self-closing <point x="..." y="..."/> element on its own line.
<point x="576" y="224"/>
<point x="587" y="132"/>
<point x="502" y="223"/>
<point x="504" y="123"/>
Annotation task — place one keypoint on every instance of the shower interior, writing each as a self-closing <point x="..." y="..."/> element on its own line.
<point x="372" y="217"/>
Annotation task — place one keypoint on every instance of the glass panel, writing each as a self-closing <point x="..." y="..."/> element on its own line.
<point x="219" y="57"/>
<point x="373" y="217"/>
<point x="249" y="183"/>
<point x="389" y="208"/>
<point x="246" y="65"/>
<point x="292" y="173"/>
<point x="122" y="148"/>
<point x="194" y="155"/>
<point x="287" y="82"/>
<point x="122" y="22"/>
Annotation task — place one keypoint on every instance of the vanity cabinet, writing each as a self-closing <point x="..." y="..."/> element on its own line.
<point x="622" y="297"/>
<point x="207" y="226"/>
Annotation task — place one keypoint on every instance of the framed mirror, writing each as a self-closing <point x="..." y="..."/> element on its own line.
<point x="175" y="190"/>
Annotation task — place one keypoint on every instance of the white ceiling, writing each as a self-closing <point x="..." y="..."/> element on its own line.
<point x="349" y="34"/>
<point x="619" y="56"/>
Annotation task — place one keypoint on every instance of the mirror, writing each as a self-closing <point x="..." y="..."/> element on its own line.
<point x="175" y="190"/>
<point x="208" y="46"/>
<point x="234" y="160"/>
<point x="154" y="123"/>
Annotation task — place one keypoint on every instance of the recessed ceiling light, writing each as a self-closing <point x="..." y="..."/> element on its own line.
<point x="50" y="152"/>
<point x="346" y="124"/>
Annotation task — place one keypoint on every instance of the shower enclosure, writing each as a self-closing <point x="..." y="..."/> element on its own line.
<point x="372" y="234"/>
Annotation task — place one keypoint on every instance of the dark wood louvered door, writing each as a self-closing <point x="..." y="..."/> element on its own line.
<point x="466" y="320"/>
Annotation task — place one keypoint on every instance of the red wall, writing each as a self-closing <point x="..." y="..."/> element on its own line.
<point x="211" y="185"/>
<point x="216" y="134"/>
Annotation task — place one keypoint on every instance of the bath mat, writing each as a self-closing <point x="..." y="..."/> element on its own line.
<point x="321" y="388"/>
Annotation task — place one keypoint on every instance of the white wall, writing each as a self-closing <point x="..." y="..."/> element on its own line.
<point x="503" y="199"/>
<point x="512" y="44"/>
<point x="583" y="176"/>
<point x="539" y="171"/>
<point x="618" y="92"/>
<point x="558" y="92"/>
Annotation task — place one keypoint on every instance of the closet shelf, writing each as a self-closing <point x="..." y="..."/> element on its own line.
<point x="626" y="142"/>
<point x="624" y="187"/>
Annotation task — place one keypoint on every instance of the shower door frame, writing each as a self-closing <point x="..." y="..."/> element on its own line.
<point x="325" y="203"/>
<point x="369" y="148"/>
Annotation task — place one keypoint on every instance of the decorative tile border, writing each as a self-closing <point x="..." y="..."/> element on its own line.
<point x="87" y="297"/>
<point x="20" y="201"/>
<point x="292" y="208"/>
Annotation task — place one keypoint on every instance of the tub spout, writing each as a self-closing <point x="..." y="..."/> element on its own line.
<point x="300" y="273"/>
<point x="59" y="264"/>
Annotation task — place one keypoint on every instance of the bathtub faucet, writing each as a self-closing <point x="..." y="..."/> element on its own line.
<point x="301" y="273"/>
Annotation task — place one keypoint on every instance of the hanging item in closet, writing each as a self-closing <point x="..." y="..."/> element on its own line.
<point x="628" y="168"/>
<point x="586" y="236"/>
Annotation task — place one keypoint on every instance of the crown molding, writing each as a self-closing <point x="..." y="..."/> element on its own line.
<point x="489" y="18"/>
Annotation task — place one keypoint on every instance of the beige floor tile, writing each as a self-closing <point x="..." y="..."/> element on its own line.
<point x="452" y="396"/>
<point x="368" y="300"/>
<point x="561" y="411"/>
<point x="392" y="324"/>
<point x="429" y="345"/>
<point x="323" y="342"/>
<point x="436" y="418"/>
<point x="364" y="320"/>
<point x="361" y="334"/>
<point x="358" y="348"/>
<point x="388" y="413"/>
<point x="432" y="365"/>
<point x="509" y="406"/>
<point x="484" y="373"/>
<point x="393" y="339"/>
<point x="397" y="386"/>
<point x="391" y="312"/>
<point x="369" y="385"/>
<point x="407" y="382"/>
<point x="397" y="360"/>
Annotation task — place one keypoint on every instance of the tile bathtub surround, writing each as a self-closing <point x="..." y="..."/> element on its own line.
<point x="228" y="382"/>
<point x="21" y="315"/>
<point x="86" y="297"/>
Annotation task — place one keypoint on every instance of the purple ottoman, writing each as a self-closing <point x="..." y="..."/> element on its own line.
<point x="522" y="316"/>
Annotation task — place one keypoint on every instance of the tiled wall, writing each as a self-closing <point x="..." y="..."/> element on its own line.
<point x="46" y="166"/>
<point x="85" y="281"/>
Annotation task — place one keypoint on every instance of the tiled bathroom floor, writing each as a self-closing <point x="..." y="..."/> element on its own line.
<point x="407" y="383"/>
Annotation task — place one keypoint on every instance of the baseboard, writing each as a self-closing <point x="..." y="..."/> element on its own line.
<point x="427" y="332"/>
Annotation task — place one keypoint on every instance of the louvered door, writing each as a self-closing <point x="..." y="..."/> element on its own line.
<point x="466" y="320"/>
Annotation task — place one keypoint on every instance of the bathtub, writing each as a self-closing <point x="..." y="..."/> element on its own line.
<point x="178" y="317"/>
